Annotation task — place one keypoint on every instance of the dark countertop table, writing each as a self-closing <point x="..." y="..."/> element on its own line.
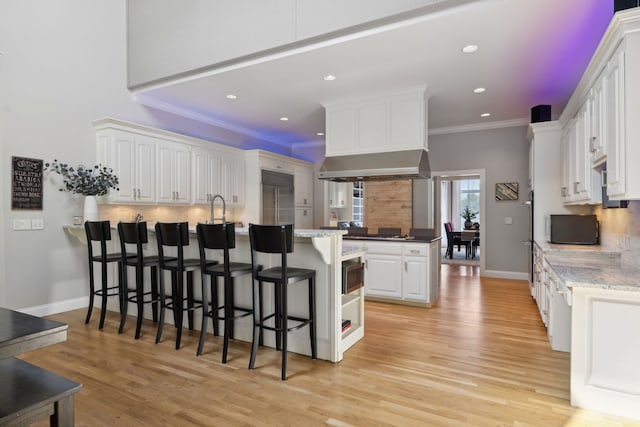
<point x="21" y="333"/>
<point x="409" y="239"/>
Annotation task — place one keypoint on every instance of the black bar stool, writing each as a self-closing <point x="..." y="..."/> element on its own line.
<point x="219" y="237"/>
<point x="135" y="234"/>
<point x="100" y="231"/>
<point x="278" y="239"/>
<point x="176" y="235"/>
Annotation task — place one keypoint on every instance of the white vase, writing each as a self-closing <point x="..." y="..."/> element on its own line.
<point x="90" y="209"/>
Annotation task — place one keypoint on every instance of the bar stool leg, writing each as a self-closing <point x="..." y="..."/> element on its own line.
<point x="205" y="313"/>
<point x="278" y="314"/>
<point x="139" y="299"/>
<point x="190" y="303"/>
<point x="284" y="328"/>
<point x="92" y="292"/>
<point x="178" y="304"/>
<point x="125" y="305"/>
<point x="257" y="320"/>
<point x="104" y="295"/>
<point x="214" y="305"/>
<point x="154" y="292"/>
<point x="312" y="315"/>
<point x="228" y="316"/>
<point x="163" y="305"/>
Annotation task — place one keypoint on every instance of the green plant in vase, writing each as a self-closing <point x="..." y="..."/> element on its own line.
<point x="468" y="216"/>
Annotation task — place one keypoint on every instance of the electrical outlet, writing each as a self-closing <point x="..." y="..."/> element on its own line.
<point x="37" y="224"/>
<point x="22" y="224"/>
<point x="508" y="220"/>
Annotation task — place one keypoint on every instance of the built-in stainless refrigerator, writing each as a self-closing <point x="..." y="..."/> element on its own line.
<point x="278" y="205"/>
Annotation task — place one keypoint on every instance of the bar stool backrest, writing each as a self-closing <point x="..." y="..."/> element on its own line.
<point x="272" y="239"/>
<point x="216" y="236"/>
<point x="97" y="231"/>
<point x="175" y="234"/>
<point x="133" y="233"/>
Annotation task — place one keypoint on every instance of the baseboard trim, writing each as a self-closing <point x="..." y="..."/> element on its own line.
<point x="515" y="275"/>
<point x="57" y="307"/>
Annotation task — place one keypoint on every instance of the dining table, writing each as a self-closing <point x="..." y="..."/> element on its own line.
<point x="29" y="393"/>
<point x="470" y="236"/>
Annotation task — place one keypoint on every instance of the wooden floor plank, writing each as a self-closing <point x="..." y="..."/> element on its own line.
<point x="479" y="358"/>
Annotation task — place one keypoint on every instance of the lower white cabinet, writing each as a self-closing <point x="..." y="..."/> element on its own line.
<point x="383" y="275"/>
<point x="401" y="272"/>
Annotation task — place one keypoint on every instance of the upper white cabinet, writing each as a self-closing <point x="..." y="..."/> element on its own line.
<point x="584" y="183"/>
<point x="338" y="193"/>
<point x="603" y="109"/>
<point x="155" y="166"/>
<point x="303" y="186"/>
<point x="173" y="174"/>
<point x="232" y="179"/>
<point x="615" y="126"/>
<point x="596" y="102"/>
<point x="132" y="157"/>
<point x="395" y="121"/>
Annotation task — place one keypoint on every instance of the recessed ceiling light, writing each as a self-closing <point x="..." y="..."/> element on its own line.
<point x="232" y="96"/>
<point x="485" y="114"/>
<point x="284" y="119"/>
<point x="329" y="77"/>
<point x="479" y="90"/>
<point x="320" y="133"/>
<point x="470" y="48"/>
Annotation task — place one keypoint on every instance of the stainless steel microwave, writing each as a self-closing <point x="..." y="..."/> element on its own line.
<point x="574" y="229"/>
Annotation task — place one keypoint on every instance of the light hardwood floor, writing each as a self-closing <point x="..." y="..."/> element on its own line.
<point x="480" y="358"/>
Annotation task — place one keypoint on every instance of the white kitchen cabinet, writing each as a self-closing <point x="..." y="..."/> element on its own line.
<point x="414" y="276"/>
<point x="376" y="124"/>
<point x="338" y="193"/>
<point x="597" y="110"/>
<point x="173" y="173"/>
<point x="303" y="186"/>
<point x="402" y="272"/>
<point x="232" y="178"/>
<point x="303" y="217"/>
<point x="567" y="143"/>
<point x="206" y="176"/>
<point x="383" y="275"/>
<point x="132" y="157"/>
<point x="585" y="183"/>
<point x="615" y="125"/>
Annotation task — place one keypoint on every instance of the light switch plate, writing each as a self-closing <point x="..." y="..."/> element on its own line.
<point x="37" y="224"/>
<point x="22" y="224"/>
<point x="508" y="220"/>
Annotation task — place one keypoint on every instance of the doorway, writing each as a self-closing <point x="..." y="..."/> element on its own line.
<point x="459" y="190"/>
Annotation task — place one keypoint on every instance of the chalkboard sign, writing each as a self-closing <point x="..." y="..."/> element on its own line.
<point x="26" y="188"/>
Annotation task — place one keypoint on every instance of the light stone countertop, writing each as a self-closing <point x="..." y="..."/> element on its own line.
<point x="592" y="267"/>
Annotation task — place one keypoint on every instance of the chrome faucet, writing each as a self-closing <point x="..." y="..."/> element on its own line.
<point x="139" y="217"/>
<point x="224" y="209"/>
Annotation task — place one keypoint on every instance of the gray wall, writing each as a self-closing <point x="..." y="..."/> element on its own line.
<point x="503" y="154"/>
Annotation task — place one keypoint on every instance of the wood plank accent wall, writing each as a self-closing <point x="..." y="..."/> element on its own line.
<point x="388" y="204"/>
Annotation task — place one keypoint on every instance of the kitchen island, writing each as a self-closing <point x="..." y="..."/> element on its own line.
<point x="603" y="295"/>
<point x="320" y="250"/>
<point x="400" y="270"/>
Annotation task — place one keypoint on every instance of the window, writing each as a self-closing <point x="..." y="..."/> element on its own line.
<point x="357" y="211"/>
<point x="470" y="196"/>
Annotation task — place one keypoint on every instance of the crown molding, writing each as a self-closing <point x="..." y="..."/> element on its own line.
<point x="480" y="126"/>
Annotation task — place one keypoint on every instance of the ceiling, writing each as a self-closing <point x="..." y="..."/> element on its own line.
<point x="530" y="52"/>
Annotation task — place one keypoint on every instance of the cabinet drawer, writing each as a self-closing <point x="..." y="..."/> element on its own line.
<point x="415" y="249"/>
<point x="383" y="248"/>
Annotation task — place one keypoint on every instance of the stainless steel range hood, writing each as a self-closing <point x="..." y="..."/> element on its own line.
<point x="393" y="165"/>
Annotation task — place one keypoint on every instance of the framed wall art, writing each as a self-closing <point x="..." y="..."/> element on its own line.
<point x="507" y="191"/>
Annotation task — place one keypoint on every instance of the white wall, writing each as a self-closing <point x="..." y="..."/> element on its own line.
<point x="503" y="154"/>
<point x="64" y="66"/>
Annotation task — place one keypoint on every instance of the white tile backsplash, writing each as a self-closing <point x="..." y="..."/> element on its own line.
<point x="620" y="230"/>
